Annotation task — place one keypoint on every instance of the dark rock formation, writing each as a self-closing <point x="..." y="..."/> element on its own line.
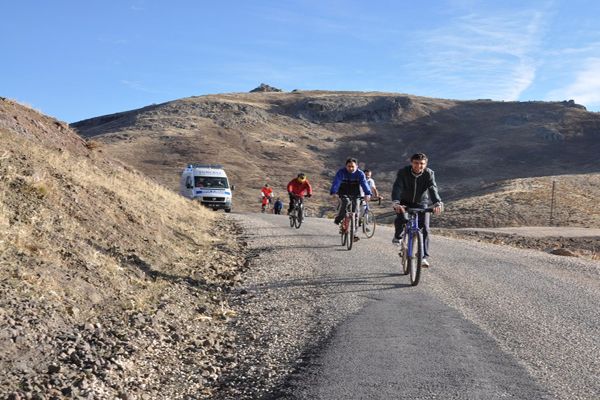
<point x="263" y="87"/>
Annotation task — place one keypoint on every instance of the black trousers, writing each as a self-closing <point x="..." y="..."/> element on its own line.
<point x="292" y="199"/>
<point x="344" y="203"/>
<point x="402" y="219"/>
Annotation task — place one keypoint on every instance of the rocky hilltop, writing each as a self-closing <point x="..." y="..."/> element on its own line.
<point x="476" y="147"/>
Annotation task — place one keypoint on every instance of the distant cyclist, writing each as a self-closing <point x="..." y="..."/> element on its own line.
<point x="298" y="188"/>
<point x="374" y="192"/>
<point x="266" y="194"/>
<point x="415" y="187"/>
<point x="277" y="206"/>
<point x="348" y="181"/>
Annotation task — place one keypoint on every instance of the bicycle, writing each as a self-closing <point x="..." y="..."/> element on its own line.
<point x="297" y="212"/>
<point x="349" y="224"/>
<point x="367" y="220"/>
<point x="411" y="245"/>
<point x="266" y="204"/>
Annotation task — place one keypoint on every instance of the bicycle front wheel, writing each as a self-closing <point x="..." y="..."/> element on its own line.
<point x="404" y="256"/>
<point x="299" y="219"/>
<point x="344" y="231"/>
<point x="415" y="257"/>
<point x="351" y="233"/>
<point x="368" y="224"/>
<point x="292" y="219"/>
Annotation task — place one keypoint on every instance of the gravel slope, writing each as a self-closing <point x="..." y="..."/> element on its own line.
<point x="303" y="290"/>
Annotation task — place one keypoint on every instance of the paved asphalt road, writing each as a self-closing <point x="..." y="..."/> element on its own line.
<point x="486" y="321"/>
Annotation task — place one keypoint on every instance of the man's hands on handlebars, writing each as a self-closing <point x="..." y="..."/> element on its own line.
<point x="399" y="209"/>
<point x="437" y="208"/>
<point x="335" y="198"/>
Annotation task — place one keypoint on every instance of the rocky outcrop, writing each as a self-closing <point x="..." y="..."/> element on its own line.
<point x="263" y="87"/>
<point x="351" y="109"/>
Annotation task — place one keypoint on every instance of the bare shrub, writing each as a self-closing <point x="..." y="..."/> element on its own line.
<point x="93" y="144"/>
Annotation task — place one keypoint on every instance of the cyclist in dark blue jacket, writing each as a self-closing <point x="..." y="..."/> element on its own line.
<point x="348" y="181"/>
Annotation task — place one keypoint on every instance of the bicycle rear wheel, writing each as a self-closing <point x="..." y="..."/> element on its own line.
<point x="414" y="259"/>
<point x="368" y="224"/>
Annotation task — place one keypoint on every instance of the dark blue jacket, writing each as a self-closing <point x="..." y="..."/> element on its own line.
<point x="347" y="184"/>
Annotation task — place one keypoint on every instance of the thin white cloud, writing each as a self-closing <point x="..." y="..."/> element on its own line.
<point x="138" y="86"/>
<point x="479" y="56"/>
<point x="586" y="86"/>
<point x="590" y="48"/>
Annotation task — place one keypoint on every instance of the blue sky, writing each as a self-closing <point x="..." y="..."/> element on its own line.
<point x="79" y="59"/>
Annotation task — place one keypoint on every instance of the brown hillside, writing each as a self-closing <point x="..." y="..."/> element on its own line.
<point x="473" y="145"/>
<point x="110" y="285"/>
<point x="39" y="128"/>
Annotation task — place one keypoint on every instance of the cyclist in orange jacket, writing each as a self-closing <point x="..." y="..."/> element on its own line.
<point x="298" y="188"/>
<point x="266" y="194"/>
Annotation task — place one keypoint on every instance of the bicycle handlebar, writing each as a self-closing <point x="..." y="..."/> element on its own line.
<point x="418" y="210"/>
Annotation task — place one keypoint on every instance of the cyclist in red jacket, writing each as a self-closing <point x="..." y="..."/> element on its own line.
<point x="266" y="194"/>
<point x="298" y="188"/>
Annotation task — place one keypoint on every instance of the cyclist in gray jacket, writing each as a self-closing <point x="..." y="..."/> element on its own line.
<point x="415" y="187"/>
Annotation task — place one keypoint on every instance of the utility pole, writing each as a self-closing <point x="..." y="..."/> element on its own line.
<point x="552" y="204"/>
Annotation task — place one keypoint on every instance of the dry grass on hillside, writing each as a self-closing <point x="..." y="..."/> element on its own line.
<point x="270" y="137"/>
<point x="87" y="242"/>
<point x="527" y="202"/>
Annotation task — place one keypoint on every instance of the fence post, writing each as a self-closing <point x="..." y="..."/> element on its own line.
<point x="552" y="204"/>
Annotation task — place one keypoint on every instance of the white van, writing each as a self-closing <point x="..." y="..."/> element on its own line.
<point x="208" y="184"/>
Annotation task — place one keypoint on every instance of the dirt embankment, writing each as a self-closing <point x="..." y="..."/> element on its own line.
<point x="111" y="286"/>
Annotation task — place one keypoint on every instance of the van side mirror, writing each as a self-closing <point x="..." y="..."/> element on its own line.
<point x="232" y="187"/>
<point x="189" y="186"/>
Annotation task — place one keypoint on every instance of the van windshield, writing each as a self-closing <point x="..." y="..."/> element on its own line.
<point x="211" y="182"/>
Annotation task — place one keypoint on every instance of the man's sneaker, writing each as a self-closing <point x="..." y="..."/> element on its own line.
<point x="337" y="220"/>
<point x="424" y="263"/>
<point x="356" y="238"/>
<point x="398" y="238"/>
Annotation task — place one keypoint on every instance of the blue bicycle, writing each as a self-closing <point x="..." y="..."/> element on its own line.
<point x="411" y="245"/>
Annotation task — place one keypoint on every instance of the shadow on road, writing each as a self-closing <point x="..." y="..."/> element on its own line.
<point x="365" y="283"/>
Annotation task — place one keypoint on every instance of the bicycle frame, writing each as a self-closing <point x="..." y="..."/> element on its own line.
<point x="411" y="257"/>
<point x="411" y="229"/>
<point x="364" y="208"/>
<point x="367" y="220"/>
<point x="297" y="212"/>
<point x="350" y="221"/>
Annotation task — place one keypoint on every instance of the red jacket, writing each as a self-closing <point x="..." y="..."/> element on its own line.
<point x="266" y="192"/>
<point x="299" y="188"/>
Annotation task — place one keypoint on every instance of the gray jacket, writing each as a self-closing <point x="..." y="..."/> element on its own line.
<point x="414" y="190"/>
